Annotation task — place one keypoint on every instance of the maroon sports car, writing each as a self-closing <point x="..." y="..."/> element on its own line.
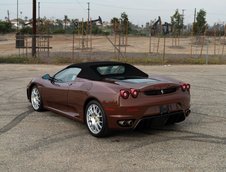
<point x="110" y="95"/>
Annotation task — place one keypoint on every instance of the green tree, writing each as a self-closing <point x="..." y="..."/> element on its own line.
<point x="124" y="17"/>
<point x="5" y="27"/>
<point x="125" y="22"/>
<point x="66" y="21"/>
<point x="177" y="22"/>
<point x="59" y="23"/>
<point x="96" y="30"/>
<point x="115" y="23"/>
<point x="45" y="25"/>
<point x="121" y="23"/>
<point x="199" y="26"/>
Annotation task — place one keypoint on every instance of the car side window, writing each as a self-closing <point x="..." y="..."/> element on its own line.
<point x="67" y="75"/>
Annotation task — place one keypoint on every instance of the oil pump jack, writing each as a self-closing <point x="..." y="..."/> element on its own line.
<point x="84" y="30"/>
<point x="78" y="24"/>
<point x="158" y="27"/>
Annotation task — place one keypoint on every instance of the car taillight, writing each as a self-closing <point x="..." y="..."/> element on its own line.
<point x="188" y="87"/>
<point x="134" y="93"/>
<point x="185" y="87"/>
<point x="124" y="94"/>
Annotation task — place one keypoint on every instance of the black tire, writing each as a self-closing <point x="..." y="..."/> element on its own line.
<point x="96" y="120"/>
<point x="36" y="99"/>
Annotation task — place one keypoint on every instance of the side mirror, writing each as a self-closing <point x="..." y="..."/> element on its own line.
<point x="46" y="77"/>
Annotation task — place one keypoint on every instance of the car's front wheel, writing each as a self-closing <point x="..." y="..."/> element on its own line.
<point x="36" y="100"/>
<point x="96" y="119"/>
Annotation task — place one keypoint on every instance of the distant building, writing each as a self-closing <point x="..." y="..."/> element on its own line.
<point x="17" y="24"/>
<point x="106" y="23"/>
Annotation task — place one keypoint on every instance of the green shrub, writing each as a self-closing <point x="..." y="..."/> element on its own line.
<point x="58" y="31"/>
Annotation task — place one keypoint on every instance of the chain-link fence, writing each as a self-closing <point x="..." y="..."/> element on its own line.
<point x="208" y="49"/>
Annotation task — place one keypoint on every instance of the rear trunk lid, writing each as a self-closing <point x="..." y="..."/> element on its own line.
<point x="150" y="86"/>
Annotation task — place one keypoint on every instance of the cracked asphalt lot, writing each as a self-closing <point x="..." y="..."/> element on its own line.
<point x="32" y="141"/>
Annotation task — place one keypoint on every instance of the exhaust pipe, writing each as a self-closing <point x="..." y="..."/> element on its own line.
<point x="122" y="123"/>
<point x="187" y="112"/>
<point x="126" y="123"/>
<point x="130" y="123"/>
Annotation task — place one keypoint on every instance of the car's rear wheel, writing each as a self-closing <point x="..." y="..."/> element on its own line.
<point x="96" y="119"/>
<point x="36" y="100"/>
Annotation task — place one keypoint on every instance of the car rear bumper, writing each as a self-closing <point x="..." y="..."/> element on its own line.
<point x="131" y="118"/>
<point x="169" y="107"/>
<point x="168" y="118"/>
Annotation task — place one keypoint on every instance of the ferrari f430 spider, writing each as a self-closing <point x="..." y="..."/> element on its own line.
<point x="110" y="95"/>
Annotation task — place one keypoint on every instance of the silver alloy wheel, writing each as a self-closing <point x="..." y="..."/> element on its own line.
<point x="35" y="98"/>
<point x="94" y="118"/>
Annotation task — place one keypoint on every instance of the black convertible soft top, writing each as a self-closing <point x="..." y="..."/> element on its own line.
<point x="89" y="70"/>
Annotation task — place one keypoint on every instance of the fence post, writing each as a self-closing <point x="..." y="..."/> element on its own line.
<point x="207" y="50"/>
<point x="158" y="43"/>
<point x="215" y="39"/>
<point x="191" y="42"/>
<point x="203" y="41"/>
<point x="73" y="46"/>
<point x="164" y="49"/>
<point x="223" y="42"/>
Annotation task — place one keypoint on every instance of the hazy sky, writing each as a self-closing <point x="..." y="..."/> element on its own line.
<point x="139" y="11"/>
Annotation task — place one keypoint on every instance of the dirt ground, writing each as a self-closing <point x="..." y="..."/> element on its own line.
<point x="32" y="141"/>
<point x="182" y="46"/>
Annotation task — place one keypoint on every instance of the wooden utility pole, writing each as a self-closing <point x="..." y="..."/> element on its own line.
<point x="194" y="21"/>
<point x="17" y="17"/>
<point x="39" y="11"/>
<point x="195" y="16"/>
<point x="34" y="30"/>
<point x="88" y="11"/>
<point x="183" y="20"/>
<point x="8" y="18"/>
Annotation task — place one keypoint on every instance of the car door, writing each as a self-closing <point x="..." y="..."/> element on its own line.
<point x="56" y="93"/>
<point x="77" y="95"/>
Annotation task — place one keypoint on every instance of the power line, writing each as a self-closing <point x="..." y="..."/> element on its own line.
<point x="79" y="3"/>
<point x="128" y="8"/>
<point x="13" y="4"/>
